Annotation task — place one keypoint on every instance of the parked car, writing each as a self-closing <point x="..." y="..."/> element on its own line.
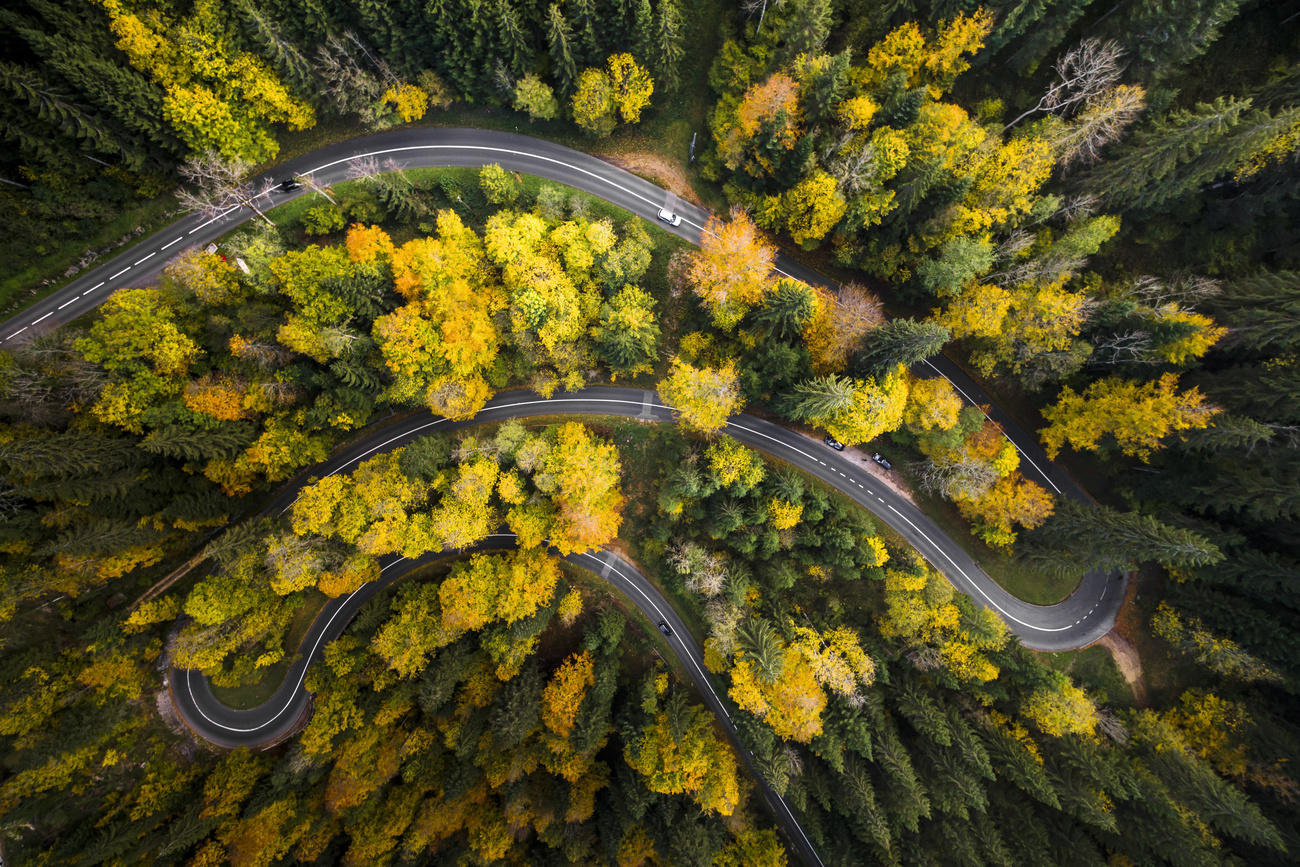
<point x="880" y="459"/>
<point x="669" y="217"/>
<point x="665" y="628"/>
<point x="834" y="443"/>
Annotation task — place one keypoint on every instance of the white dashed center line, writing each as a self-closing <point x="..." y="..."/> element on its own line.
<point x="66" y="303"/>
<point x="43" y="318"/>
<point x="16" y="333"/>
<point x="146" y="258"/>
<point x="175" y="241"/>
<point x="120" y="273"/>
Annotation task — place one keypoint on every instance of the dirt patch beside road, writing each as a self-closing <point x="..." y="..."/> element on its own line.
<point x="655" y="168"/>
<point x="1129" y="663"/>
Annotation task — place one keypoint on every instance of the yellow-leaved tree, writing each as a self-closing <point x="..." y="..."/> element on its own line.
<point x="440" y="345"/>
<point x="1137" y="415"/>
<point x="678" y="752"/>
<point x="731" y="270"/>
<point x="704" y="397"/>
<point x="217" y="97"/>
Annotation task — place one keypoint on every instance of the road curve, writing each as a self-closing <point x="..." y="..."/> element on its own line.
<point x="453" y="146"/>
<point x="1077" y="621"/>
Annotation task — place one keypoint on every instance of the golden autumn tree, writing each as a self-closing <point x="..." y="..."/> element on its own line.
<point x="920" y="611"/>
<point x="586" y="496"/>
<point x="491" y="587"/>
<point x="1138" y="416"/>
<point x="770" y="107"/>
<point x="731" y="270"/>
<point x="791" y="703"/>
<point x="441" y="343"/>
<point x="1061" y="708"/>
<point x="874" y="406"/>
<point x="145" y="352"/>
<point x="704" y="397"/>
<point x="217" y="97"/>
<point x="678" y="752"/>
<point x="564" y="692"/>
<point x="734" y="465"/>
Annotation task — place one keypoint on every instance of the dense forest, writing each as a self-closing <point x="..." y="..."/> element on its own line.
<point x="1093" y="207"/>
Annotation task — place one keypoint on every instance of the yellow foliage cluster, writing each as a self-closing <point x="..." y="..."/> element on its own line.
<point x="563" y="693"/>
<point x="921" y="613"/>
<point x="216" y="97"/>
<point x="704" y="397"/>
<point x="1137" y="415"/>
<point x="687" y="757"/>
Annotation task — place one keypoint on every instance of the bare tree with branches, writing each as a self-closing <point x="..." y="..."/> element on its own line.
<point x="1186" y="291"/>
<point x="315" y="186"/>
<point x="363" y="169"/>
<point x="1102" y="121"/>
<point x="217" y="185"/>
<point x="1085" y="71"/>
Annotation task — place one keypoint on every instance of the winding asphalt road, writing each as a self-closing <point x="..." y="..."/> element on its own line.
<point x="1079" y="620"/>
<point x="1085" y="616"/>
<point x="449" y="146"/>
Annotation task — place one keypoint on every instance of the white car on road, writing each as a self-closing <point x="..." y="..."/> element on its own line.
<point x="669" y="217"/>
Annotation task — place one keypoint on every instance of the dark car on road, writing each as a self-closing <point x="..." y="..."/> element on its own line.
<point x="880" y="459"/>
<point x="665" y="628"/>
<point x="288" y="185"/>
<point x="834" y="443"/>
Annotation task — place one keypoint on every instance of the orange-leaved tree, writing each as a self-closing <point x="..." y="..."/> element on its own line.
<point x="731" y="270"/>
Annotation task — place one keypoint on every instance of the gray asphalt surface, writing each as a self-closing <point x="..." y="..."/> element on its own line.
<point x="1079" y="620"/>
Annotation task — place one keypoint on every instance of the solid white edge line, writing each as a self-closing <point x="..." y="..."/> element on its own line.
<point x="189" y="672"/>
<point x="1014" y="444"/>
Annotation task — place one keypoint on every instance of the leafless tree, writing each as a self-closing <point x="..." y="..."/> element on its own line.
<point x="1186" y="291"/>
<point x="1102" y="121"/>
<point x="348" y="86"/>
<point x="705" y="570"/>
<point x="363" y="169"/>
<point x="217" y="185"/>
<point x="1128" y="347"/>
<point x="1085" y="71"/>
<point x="1016" y="243"/>
<point x="965" y="477"/>
<point x="853" y="171"/>
<point x="1108" y="722"/>
<point x="315" y="186"/>
<point x="1078" y="207"/>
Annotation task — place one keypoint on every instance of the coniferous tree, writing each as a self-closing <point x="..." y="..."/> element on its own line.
<point x="560" y="38"/>
<point x="899" y="341"/>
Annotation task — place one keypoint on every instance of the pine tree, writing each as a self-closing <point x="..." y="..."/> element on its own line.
<point x="1152" y="169"/>
<point x="822" y="397"/>
<point x="667" y="50"/>
<point x="560" y="37"/>
<point x="899" y="341"/>
<point x="1105" y="538"/>
<point x="787" y="310"/>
